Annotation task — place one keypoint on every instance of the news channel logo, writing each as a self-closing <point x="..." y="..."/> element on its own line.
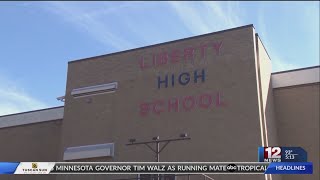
<point x="282" y="154"/>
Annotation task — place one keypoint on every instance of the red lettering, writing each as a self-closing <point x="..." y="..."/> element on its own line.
<point x="203" y="49"/>
<point x="144" y="109"/>
<point x="218" y="100"/>
<point x="188" y="106"/>
<point x="175" y="56"/>
<point x="154" y="62"/>
<point x="173" y="104"/>
<point x="205" y="101"/>
<point x="162" y="58"/>
<point x="157" y="107"/>
<point x="187" y="103"/>
<point x="142" y="64"/>
<point x="188" y="53"/>
<point x="217" y="47"/>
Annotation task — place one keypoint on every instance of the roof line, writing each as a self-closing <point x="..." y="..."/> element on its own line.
<point x="295" y="86"/>
<point x="299" y="69"/>
<point x="263" y="45"/>
<point x="129" y="50"/>
<point x="32" y="111"/>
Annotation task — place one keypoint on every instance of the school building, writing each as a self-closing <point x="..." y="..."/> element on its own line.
<point x="217" y="87"/>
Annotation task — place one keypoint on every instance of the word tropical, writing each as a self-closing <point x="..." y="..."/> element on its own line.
<point x="182" y="79"/>
<point x="185" y="103"/>
<point x="178" y="55"/>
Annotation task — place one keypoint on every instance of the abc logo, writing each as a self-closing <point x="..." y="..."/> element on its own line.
<point x="231" y="167"/>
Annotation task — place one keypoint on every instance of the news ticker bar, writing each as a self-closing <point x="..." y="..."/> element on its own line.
<point x="156" y="168"/>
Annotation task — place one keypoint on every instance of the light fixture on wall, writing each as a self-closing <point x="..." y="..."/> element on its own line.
<point x="94" y="90"/>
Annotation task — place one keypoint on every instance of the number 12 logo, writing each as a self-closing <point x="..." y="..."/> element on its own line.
<point x="272" y="152"/>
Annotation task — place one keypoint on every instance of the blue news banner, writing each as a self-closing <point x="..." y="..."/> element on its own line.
<point x="156" y="168"/>
<point x="285" y="160"/>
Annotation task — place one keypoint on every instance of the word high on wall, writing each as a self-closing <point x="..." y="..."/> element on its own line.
<point x="182" y="79"/>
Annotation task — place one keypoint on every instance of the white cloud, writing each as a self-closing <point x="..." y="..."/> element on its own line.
<point x="310" y="18"/>
<point x="197" y="17"/>
<point x="278" y="64"/>
<point x="13" y="99"/>
<point x="190" y="17"/>
<point x="207" y="16"/>
<point x="91" y="22"/>
<point x="210" y="16"/>
<point x="96" y="18"/>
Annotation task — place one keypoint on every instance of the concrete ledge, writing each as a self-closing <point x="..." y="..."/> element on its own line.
<point x="31" y="117"/>
<point x="89" y="151"/>
<point x="296" y="77"/>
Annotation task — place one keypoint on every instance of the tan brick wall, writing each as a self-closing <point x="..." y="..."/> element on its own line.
<point x="265" y="70"/>
<point x="268" y="120"/>
<point x="297" y="111"/>
<point x="34" y="142"/>
<point x="215" y="132"/>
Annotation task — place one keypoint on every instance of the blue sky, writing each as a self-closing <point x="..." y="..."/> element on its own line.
<point x="39" y="38"/>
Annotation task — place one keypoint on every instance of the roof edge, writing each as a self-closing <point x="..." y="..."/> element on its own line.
<point x="298" y="69"/>
<point x="32" y="117"/>
<point x="149" y="46"/>
<point x="296" y="77"/>
<point x="31" y="111"/>
<point x="257" y="35"/>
